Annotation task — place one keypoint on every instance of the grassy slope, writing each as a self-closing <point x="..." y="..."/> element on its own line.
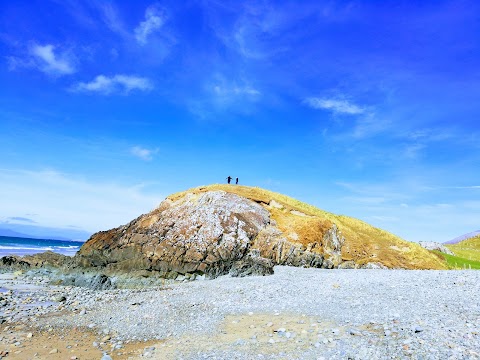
<point x="457" y="262"/>
<point x="363" y="242"/>
<point x="468" y="249"/>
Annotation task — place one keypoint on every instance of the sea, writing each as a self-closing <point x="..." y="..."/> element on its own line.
<point x="26" y="246"/>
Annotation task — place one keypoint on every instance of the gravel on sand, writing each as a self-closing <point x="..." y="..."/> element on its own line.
<point x="294" y="314"/>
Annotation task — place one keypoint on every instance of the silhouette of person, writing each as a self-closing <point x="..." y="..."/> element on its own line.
<point x="229" y="178"/>
<point x="236" y="181"/>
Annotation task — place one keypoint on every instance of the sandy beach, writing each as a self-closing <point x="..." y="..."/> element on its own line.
<point x="294" y="314"/>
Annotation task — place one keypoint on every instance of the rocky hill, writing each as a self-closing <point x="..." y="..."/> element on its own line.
<point x="217" y="229"/>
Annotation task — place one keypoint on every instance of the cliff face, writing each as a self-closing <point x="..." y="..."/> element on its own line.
<point x="205" y="233"/>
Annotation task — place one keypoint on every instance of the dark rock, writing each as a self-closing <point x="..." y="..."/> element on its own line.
<point x="252" y="264"/>
<point x="13" y="263"/>
<point x="47" y="259"/>
<point x="60" y="298"/>
<point x="92" y="281"/>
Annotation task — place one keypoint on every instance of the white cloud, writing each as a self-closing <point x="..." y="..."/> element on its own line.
<point x="62" y="200"/>
<point x="154" y="20"/>
<point x="225" y="95"/>
<point x="334" y="105"/>
<point x="222" y="90"/>
<point x="51" y="62"/>
<point x="118" y="83"/>
<point x="142" y="153"/>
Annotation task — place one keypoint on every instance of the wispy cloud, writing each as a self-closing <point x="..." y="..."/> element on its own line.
<point x="143" y="153"/>
<point x="45" y="58"/>
<point x="111" y="18"/>
<point x="467" y="187"/>
<point x="20" y="219"/>
<point x="369" y="125"/>
<point x="334" y="105"/>
<point x="235" y="90"/>
<point x="154" y="20"/>
<point x="116" y="84"/>
<point x="413" y="151"/>
<point x="222" y="94"/>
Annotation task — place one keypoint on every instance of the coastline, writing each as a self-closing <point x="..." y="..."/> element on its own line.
<point x="296" y="313"/>
<point x="21" y="246"/>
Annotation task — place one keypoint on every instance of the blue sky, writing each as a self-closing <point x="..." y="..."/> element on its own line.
<point x="363" y="108"/>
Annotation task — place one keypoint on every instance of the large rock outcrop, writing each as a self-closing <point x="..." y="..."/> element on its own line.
<point x="432" y="245"/>
<point x="211" y="233"/>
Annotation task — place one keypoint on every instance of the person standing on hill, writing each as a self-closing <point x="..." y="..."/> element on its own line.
<point x="229" y="178"/>
<point x="236" y="181"/>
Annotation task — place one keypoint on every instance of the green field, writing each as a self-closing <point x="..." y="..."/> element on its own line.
<point x="457" y="262"/>
<point x="467" y="249"/>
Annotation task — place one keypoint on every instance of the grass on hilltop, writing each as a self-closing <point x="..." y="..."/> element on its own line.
<point x="459" y="263"/>
<point x="363" y="242"/>
<point x="468" y="249"/>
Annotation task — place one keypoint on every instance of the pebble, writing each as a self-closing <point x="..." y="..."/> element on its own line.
<point x="418" y="329"/>
<point x="354" y="332"/>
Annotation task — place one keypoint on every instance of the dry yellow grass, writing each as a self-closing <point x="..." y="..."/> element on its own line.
<point x="363" y="242"/>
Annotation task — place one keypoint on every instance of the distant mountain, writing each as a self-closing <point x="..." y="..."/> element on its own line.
<point x="40" y="232"/>
<point x="11" y="233"/>
<point x="463" y="237"/>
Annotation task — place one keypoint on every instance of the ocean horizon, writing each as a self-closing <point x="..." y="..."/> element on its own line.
<point x="21" y="246"/>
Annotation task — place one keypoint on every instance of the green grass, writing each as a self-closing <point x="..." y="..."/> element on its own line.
<point x="467" y="249"/>
<point x="457" y="262"/>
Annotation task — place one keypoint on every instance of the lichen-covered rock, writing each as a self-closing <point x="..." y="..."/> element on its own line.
<point x="209" y="233"/>
<point x="203" y="233"/>
<point x="332" y="245"/>
<point x="273" y="244"/>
